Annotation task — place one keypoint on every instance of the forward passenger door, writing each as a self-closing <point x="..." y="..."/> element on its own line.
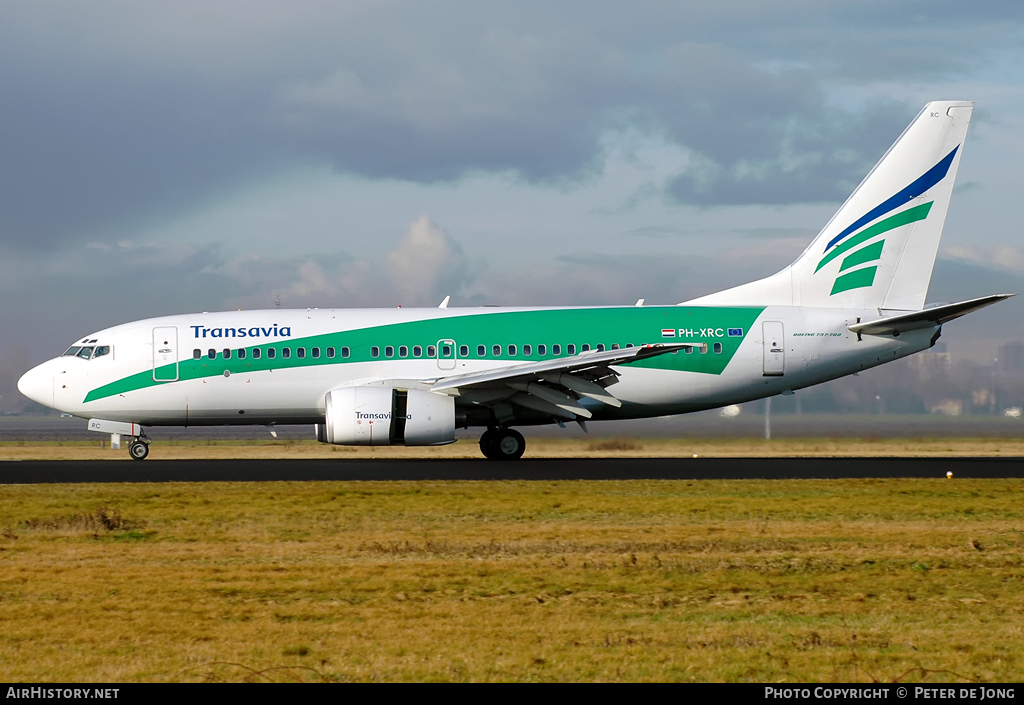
<point x="165" y="354"/>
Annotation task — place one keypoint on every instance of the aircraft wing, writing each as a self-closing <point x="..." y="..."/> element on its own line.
<point x="569" y="365"/>
<point x="937" y="315"/>
<point x="555" y="386"/>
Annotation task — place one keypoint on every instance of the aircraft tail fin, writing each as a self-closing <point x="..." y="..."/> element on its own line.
<point x="879" y="249"/>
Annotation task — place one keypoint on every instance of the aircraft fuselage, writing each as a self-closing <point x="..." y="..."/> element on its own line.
<point x="275" y="366"/>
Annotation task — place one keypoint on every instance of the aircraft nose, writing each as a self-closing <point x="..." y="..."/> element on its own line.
<point x="37" y="384"/>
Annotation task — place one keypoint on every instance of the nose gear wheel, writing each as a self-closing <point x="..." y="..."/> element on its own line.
<point x="138" y="450"/>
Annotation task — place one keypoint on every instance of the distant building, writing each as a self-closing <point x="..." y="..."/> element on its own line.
<point x="930" y="365"/>
<point x="1011" y="358"/>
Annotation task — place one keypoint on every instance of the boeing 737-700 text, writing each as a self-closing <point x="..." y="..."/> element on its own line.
<point x="854" y="299"/>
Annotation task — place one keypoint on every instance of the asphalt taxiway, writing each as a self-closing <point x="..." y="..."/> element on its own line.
<point x="70" y="471"/>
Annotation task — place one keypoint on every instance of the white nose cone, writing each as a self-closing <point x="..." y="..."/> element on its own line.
<point x="37" y="384"/>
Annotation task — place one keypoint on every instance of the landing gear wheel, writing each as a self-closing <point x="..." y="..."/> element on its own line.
<point x="509" y="445"/>
<point x="138" y="450"/>
<point x="488" y="443"/>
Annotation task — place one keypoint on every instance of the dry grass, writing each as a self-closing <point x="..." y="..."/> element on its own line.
<point x="537" y="448"/>
<point x="845" y="580"/>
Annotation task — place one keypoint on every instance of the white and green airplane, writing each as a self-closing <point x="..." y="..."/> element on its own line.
<point x="854" y="299"/>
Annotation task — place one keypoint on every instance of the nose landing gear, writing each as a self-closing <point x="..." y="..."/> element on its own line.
<point x="138" y="449"/>
<point x="502" y="444"/>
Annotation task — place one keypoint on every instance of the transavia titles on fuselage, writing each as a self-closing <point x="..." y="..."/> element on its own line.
<point x="853" y="300"/>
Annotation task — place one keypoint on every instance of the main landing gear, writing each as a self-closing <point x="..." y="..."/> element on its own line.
<point x="502" y="444"/>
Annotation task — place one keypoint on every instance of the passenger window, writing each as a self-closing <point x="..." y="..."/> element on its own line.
<point x="417" y="351"/>
<point x="556" y="349"/>
<point x="389" y="351"/>
<point x="542" y="349"/>
<point x="431" y="351"/>
<point x="496" y="351"/>
<point x="463" y="351"/>
<point x="241" y="353"/>
<point x="403" y="351"/>
<point x="196" y="354"/>
<point x="629" y="345"/>
<point x="718" y="348"/>
<point x="316" y="353"/>
<point x="481" y="351"/>
<point x="271" y="353"/>
<point x="374" y="351"/>
<point x="600" y="347"/>
<point x="585" y="348"/>
<point x="301" y="353"/>
<point x="703" y="349"/>
<point x="512" y="350"/>
<point x="256" y="352"/>
<point x="345" y="352"/>
<point x="330" y="352"/>
<point x="227" y="353"/>
<point x="212" y="354"/>
<point x="689" y="351"/>
<point x="446" y="350"/>
<point x="101" y="350"/>
<point x="527" y="350"/>
<point x="615" y="346"/>
<point x="570" y="349"/>
<point x="285" y="353"/>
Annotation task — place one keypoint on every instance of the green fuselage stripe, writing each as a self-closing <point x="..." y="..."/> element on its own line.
<point x="591" y="326"/>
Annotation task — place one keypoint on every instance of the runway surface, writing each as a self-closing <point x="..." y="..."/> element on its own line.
<point x="32" y="472"/>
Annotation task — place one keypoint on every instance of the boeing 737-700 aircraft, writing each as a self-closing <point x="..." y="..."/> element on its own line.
<point x="854" y="299"/>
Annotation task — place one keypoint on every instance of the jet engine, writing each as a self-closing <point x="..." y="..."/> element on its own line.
<point x="383" y="416"/>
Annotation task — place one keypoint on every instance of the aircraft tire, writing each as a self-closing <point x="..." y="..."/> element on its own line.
<point x="488" y="442"/>
<point x="138" y="450"/>
<point x="508" y="445"/>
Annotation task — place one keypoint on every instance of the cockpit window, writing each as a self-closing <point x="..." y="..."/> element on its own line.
<point x="84" y="353"/>
<point x="100" y="351"/>
<point x="72" y="351"/>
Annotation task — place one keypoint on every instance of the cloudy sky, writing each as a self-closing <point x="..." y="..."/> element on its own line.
<point x="161" y="158"/>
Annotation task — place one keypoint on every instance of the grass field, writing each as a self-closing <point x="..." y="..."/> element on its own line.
<point x="536" y="448"/>
<point x="841" y="580"/>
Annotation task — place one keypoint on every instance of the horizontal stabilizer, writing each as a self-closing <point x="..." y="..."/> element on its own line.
<point x="894" y="325"/>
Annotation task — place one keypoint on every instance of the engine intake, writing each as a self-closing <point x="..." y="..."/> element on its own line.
<point x="383" y="416"/>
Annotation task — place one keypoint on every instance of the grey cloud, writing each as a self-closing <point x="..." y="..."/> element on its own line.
<point x="117" y="115"/>
<point x="799" y="160"/>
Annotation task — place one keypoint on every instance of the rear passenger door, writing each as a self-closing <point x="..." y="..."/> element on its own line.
<point x="774" y="349"/>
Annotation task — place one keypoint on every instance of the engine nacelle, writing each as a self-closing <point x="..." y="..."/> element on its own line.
<point x="382" y="416"/>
